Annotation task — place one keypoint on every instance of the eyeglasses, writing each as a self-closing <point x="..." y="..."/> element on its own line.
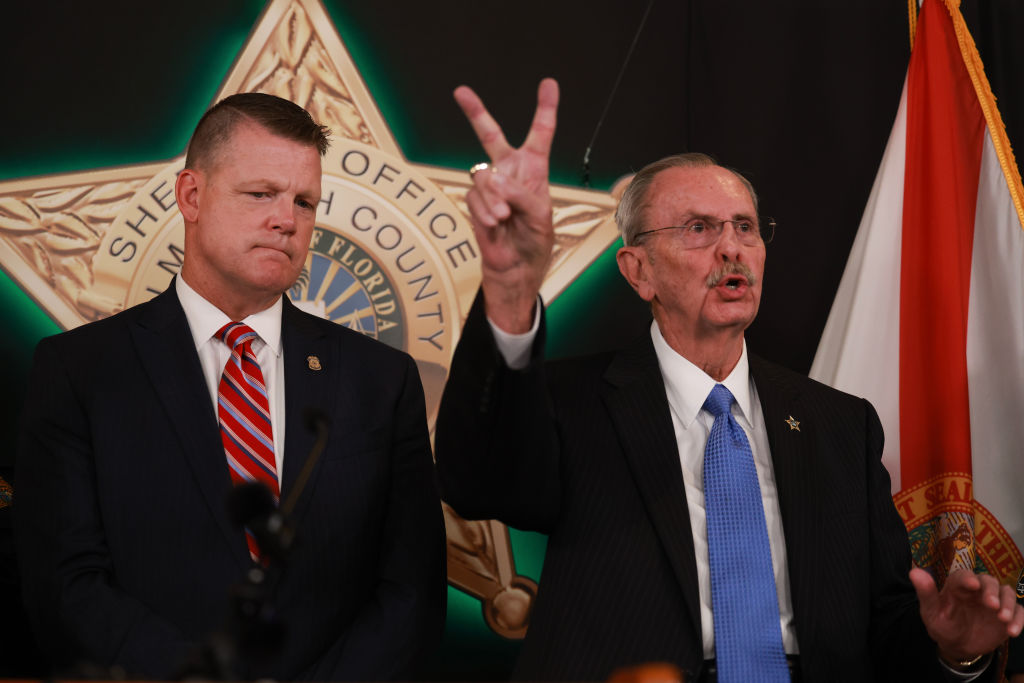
<point x="703" y="232"/>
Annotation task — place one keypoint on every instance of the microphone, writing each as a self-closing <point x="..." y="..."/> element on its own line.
<point x="315" y="421"/>
<point x="248" y="501"/>
<point x="252" y="506"/>
<point x="253" y="631"/>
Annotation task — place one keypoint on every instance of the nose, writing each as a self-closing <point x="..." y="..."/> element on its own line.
<point x="728" y="246"/>
<point x="283" y="217"/>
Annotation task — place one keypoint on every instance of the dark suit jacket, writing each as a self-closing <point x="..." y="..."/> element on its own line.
<point x="126" y="549"/>
<point x="584" y="450"/>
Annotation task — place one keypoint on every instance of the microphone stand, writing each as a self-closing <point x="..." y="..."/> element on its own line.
<point x="253" y="629"/>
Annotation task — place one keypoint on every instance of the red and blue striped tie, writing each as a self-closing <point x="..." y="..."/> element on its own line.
<point x="244" y="413"/>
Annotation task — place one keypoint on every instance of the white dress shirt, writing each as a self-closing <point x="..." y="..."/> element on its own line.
<point x="205" y="319"/>
<point x="686" y="387"/>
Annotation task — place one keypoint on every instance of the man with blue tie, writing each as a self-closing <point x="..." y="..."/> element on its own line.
<point x="704" y="507"/>
<point x="137" y="427"/>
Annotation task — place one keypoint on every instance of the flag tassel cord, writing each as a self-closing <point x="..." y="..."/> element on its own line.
<point x="987" y="100"/>
<point x="912" y="16"/>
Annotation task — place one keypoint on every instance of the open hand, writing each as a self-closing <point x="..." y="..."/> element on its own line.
<point x="972" y="615"/>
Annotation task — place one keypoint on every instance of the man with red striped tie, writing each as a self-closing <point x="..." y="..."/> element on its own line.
<point x="138" y="427"/>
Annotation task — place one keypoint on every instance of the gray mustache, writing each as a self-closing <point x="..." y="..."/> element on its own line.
<point x="730" y="268"/>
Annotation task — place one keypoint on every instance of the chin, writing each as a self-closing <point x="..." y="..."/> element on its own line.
<point x="275" y="272"/>
<point x="275" y="285"/>
<point x="738" y="313"/>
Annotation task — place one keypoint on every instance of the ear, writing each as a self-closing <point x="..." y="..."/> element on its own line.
<point x="186" y="193"/>
<point x="636" y="268"/>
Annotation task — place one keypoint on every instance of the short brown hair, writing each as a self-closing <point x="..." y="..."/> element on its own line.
<point x="279" y="116"/>
<point x="627" y="214"/>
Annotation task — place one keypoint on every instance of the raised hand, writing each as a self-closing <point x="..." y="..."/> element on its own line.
<point x="972" y="615"/>
<point x="510" y="207"/>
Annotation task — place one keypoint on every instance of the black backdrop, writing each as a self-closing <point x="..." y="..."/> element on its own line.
<point x="797" y="94"/>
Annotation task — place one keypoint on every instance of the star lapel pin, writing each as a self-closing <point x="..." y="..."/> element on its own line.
<point x="793" y="424"/>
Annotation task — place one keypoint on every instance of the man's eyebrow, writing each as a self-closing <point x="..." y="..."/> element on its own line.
<point x="258" y="182"/>
<point x="697" y="216"/>
<point x="690" y="216"/>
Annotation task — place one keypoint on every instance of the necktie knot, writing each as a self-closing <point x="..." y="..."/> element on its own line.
<point x="719" y="401"/>
<point x="234" y="334"/>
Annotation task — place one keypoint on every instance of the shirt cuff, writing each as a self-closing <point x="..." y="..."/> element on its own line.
<point x="515" y="348"/>
<point x="971" y="674"/>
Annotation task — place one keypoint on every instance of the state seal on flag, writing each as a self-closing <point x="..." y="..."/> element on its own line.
<point x="950" y="530"/>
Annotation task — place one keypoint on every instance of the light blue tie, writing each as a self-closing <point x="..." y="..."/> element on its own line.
<point x="748" y="638"/>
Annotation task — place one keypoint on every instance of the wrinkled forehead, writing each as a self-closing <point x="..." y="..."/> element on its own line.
<point x="705" y="191"/>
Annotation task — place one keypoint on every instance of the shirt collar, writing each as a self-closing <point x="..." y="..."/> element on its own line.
<point x="205" y="319"/>
<point x="687" y="386"/>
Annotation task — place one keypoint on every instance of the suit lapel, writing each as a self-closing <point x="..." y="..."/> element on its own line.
<point x="797" y="479"/>
<point x="165" y="346"/>
<point x="311" y="372"/>
<point x="636" y="400"/>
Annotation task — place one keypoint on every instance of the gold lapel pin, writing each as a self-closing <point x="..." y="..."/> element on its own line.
<point x="793" y="424"/>
<point x="314" y="363"/>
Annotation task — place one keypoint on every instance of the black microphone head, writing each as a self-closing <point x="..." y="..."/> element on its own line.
<point x="314" y="419"/>
<point x="248" y="502"/>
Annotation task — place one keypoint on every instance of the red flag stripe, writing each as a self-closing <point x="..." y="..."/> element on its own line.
<point x="945" y="130"/>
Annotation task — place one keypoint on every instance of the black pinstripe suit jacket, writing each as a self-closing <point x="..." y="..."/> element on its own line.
<point x="584" y="451"/>
<point x="125" y="544"/>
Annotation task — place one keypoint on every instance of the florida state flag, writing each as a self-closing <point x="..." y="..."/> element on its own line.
<point x="928" y="322"/>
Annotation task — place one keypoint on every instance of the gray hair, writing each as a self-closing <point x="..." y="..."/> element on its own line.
<point x="627" y="215"/>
